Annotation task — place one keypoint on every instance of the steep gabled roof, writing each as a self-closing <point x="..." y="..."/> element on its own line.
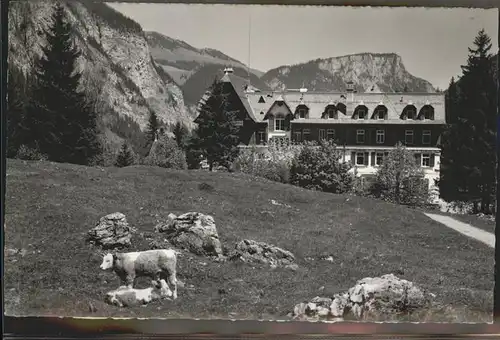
<point x="239" y="85"/>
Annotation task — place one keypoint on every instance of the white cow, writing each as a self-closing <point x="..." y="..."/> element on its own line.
<point x="158" y="264"/>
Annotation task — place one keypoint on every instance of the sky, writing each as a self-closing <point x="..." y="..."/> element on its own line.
<point x="433" y="42"/>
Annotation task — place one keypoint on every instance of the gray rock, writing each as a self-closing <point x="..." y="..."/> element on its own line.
<point x="111" y="231"/>
<point x="194" y="232"/>
<point x="259" y="252"/>
<point x="370" y="298"/>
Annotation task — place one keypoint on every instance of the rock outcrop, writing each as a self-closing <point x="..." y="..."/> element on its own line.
<point x="194" y="232"/>
<point x="378" y="298"/>
<point x="111" y="231"/>
<point x="260" y="252"/>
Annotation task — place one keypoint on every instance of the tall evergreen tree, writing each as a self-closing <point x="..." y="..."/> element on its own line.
<point x="59" y="118"/>
<point x="469" y="150"/>
<point x="152" y="128"/>
<point x="16" y="97"/>
<point x="125" y="156"/>
<point x="181" y="134"/>
<point x="217" y="132"/>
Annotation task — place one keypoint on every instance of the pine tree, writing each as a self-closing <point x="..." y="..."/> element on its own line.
<point x="469" y="150"/>
<point x="217" y="133"/>
<point x="59" y="118"/>
<point x="125" y="156"/>
<point x="153" y="125"/>
<point x="16" y="97"/>
<point x="181" y="134"/>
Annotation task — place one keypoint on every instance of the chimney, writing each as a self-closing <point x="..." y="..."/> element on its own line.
<point x="350" y="97"/>
<point x="228" y="70"/>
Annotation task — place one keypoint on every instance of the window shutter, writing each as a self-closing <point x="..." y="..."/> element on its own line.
<point x="418" y="159"/>
<point x="432" y="160"/>
<point x="373" y="159"/>
<point x="353" y="158"/>
<point x="366" y="158"/>
<point x="271" y="124"/>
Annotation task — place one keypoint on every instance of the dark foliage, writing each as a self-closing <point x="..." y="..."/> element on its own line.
<point x="469" y="144"/>
<point x="126" y="128"/>
<point x="59" y="118"/>
<point x="320" y="168"/>
<point x="125" y="156"/>
<point x="181" y="134"/>
<point x="217" y="132"/>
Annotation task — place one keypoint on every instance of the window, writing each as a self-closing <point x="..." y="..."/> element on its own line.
<point x="426" y="137"/>
<point x="408" y="136"/>
<point x="331" y="113"/>
<point x="380" y="114"/>
<point x="410" y="113"/>
<point x="261" y="136"/>
<point x="330" y="134"/>
<point x="261" y="100"/>
<point x="298" y="136"/>
<point x="322" y="134"/>
<point x="426" y="160"/>
<point x="379" y="158"/>
<point x="306" y="134"/>
<point x="380" y="136"/>
<point x="360" y="136"/>
<point x="302" y="113"/>
<point x="279" y="124"/>
<point x="360" y="158"/>
<point x="361" y="114"/>
<point x="427" y="113"/>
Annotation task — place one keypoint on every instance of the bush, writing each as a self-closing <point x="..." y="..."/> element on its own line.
<point x="30" y="154"/>
<point x="400" y="180"/>
<point x="319" y="168"/>
<point x="166" y="153"/>
<point x="274" y="164"/>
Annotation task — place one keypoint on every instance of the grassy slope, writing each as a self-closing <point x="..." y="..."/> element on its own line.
<point x="49" y="208"/>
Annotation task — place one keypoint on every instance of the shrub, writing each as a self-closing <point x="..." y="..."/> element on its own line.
<point x="319" y="168"/>
<point x="400" y="180"/>
<point x="30" y="154"/>
<point x="166" y="153"/>
<point x="274" y="164"/>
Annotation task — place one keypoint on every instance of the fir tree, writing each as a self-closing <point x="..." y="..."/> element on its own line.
<point x="16" y="97"/>
<point x="59" y="118"/>
<point x="152" y="128"/>
<point x="181" y="135"/>
<point x="469" y="149"/>
<point x="217" y="133"/>
<point x="125" y="156"/>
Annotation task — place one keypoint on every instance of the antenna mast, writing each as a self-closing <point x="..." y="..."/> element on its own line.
<point x="249" y="44"/>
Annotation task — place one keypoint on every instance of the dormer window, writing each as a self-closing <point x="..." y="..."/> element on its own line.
<point x="380" y="114"/>
<point x="361" y="114"/>
<point x="410" y="113"/>
<point x="261" y="100"/>
<point x="302" y="113"/>
<point x="331" y="113"/>
<point x="427" y="113"/>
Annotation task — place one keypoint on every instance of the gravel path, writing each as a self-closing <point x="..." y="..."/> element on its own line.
<point x="466" y="229"/>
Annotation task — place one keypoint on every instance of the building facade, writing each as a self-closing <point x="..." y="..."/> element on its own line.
<point x="366" y="126"/>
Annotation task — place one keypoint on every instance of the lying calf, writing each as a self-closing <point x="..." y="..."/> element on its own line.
<point x="128" y="297"/>
<point x="158" y="264"/>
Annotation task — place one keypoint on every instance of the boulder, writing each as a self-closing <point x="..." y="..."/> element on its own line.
<point x="376" y="298"/>
<point x="111" y="231"/>
<point x="128" y="297"/>
<point x="260" y="252"/>
<point x="194" y="232"/>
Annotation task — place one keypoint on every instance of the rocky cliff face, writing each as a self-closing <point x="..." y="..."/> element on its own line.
<point x="369" y="72"/>
<point x="117" y="63"/>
